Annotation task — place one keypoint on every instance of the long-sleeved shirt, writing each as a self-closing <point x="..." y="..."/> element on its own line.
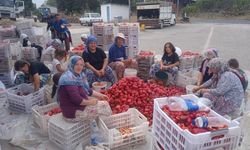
<point x="70" y="98"/>
<point x="229" y="86"/>
<point x="117" y="53"/>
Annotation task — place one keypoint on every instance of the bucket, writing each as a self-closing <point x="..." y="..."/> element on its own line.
<point x="129" y="72"/>
<point x="189" y="89"/>
<point x="98" y="86"/>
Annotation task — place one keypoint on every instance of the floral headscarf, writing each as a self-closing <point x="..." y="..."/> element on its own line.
<point x="219" y="67"/>
<point x="72" y="78"/>
<point x="209" y="54"/>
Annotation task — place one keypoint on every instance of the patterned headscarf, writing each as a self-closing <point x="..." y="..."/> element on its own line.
<point x="209" y="54"/>
<point x="219" y="66"/>
<point x="70" y="77"/>
<point x="90" y="39"/>
<point x="56" y="43"/>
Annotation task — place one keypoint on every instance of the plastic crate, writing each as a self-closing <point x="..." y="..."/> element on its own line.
<point x="4" y="49"/>
<point x="23" y="25"/>
<point x="132" y="119"/>
<point x="40" y="119"/>
<point x="29" y="53"/>
<point x="26" y="102"/>
<point x="68" y="135"/>
<point x="6" y="79"/>
<point x="187" y="77"/>
<point x="8" y="31"/>
<point x="5" y="65"/>
<point x="156" y="145"/>
<point x="186" y="62"/>
<point x="171" y="136"/>
<point x="30" y="32"/>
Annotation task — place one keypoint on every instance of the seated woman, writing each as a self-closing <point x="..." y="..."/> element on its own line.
<point x="96" y="63"/>
<point x="204" y="75"/>
<point x="118" y="59"/>
<point x="74" y="94"/>
<point x="48" y="53"/>
<point x="234" y="67"/>
<point x="169" y="62"/>
<point x="35" y="72"/>
<point x="224" y="89"/>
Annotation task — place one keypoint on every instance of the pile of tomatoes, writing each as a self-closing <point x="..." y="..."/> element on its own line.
<point x="132" y="92"/>
<point x="146" y="53"/>
<point x="78" y="48"/>
<point x="53" y="111"/>
<point x="184" y="120"/>
<point x="189" y="53"/>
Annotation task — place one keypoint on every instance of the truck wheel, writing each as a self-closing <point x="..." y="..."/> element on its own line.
<point x="81" y="23"/>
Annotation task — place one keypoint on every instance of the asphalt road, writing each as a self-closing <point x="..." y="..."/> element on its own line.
<point x="230" y="37"/>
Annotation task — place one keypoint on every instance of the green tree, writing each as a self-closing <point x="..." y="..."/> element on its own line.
<point x="52" y="2"/>
<point x="28" y="7"/>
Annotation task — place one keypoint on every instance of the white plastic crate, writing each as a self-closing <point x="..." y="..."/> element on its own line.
<point x="4" y="49"/>
<point x="186" y="62"/>
<point x="6" y="78"/>
<point x="187" y="77"/>
<point x="68" y="135"/>
<point x="29" y="53"/>
<point x="26" y="102"/>
<point x="23" y="25"/>
<point x="171" y="136"/>
<point x="8" y="31"/>
<point x="132" y="119"/>
<point x="40" y="118"/>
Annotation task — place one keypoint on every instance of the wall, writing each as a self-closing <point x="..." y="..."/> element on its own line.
<point x="115" y="10"/>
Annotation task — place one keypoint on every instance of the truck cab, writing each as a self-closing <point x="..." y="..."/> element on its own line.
<point x="10" y="8"/>
<point x="155" y="14"/>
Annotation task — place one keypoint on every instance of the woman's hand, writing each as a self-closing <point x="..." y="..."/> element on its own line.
<point x="204" y="91"/>
<point x="195" y="89"/>
<point x="166" y="67"/>
<point x="102" y="72"/>
<point x="103" y="97"/>
<point x="93" y="101"/>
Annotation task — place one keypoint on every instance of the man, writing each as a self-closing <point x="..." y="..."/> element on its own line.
<point x="35" y="72"/>
<point x="62" y="32"/>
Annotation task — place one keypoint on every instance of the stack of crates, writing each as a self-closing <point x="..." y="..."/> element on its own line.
<point x="104" y="34"/>
<point x="5" y="63"/>
<point x="144" y="64"/>
<point x="131" y="32"/>
<point x="68" y="135"/>
<point x="7" y="31"/>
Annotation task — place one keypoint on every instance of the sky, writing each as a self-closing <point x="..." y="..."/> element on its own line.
<point x="38" y="2"/>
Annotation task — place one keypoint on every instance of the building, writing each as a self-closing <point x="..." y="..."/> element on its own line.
<point x="110" y="12"/>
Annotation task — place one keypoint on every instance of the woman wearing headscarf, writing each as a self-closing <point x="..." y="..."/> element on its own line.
<point x="74" y="94"/>
<point x="118" y="59"/>
<point x="205" y="75"/>
<point x="169" y="62"/>
<point x="224" y="89"/>
<point x="96" y="63"/>
<point x="48" y="53"/>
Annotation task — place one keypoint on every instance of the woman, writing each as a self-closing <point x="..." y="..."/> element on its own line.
<point x="97" y="63"/>
<point x="48" y="53"/>
<point x="204" y="73"/>
<point x="235" y="68"/>
<point x="169" y="62"/>
<point x="74" y="94"/>
<point x="224" y="89"/>
<point x="118" y="59"/>
<point x="35" y="72"/>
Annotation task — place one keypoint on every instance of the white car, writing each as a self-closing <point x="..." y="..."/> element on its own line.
<point x="90" y="18"/>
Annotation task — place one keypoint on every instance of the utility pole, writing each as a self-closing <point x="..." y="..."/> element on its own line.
<point x="129" y="5"/>
<point x="177" y="11"/>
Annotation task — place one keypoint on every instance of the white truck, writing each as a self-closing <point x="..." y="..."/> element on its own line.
<point x="10" y="8"/>
<point x="155" y="14"/>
